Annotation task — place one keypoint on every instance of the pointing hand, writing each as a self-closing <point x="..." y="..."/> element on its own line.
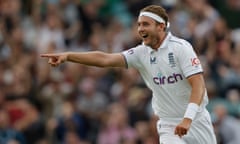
<point x="55" y="59"/>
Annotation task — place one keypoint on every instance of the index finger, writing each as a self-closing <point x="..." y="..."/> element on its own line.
<point x="48" y="55"/>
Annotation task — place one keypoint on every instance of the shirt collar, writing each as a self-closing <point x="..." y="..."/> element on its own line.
<point x="163" y="45"/>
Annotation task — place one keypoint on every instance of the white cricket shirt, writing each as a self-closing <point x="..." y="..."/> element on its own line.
<point x="165" y="72"/>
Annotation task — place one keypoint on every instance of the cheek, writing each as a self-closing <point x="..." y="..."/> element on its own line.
<point x="153" y="30"/>
<point x="153" y="33"/>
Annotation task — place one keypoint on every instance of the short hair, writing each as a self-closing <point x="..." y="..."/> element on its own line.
<point x="158" y="10"/>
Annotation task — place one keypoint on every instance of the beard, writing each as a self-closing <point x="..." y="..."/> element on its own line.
<point x="152" y="41"/>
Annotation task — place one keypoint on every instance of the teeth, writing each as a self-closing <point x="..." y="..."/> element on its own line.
<point x="144" y="36"/>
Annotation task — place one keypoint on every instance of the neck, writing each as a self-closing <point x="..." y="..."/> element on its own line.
<point x="159" y="41"/>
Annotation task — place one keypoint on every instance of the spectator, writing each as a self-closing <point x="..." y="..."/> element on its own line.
<point x="7" y="134"/>
<point x="116" y="128"/>
<point x="228" y="127"/>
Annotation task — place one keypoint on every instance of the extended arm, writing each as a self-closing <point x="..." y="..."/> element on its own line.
<point x="94" y="58"/>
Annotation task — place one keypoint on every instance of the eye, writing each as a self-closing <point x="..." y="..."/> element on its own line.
<point x="145" y="24"/>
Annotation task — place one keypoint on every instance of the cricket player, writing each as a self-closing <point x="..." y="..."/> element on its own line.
<point x="170" y="68"/>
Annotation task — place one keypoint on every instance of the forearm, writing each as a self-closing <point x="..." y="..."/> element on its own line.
<point x="197" y="94"/>
<point x="195" y="100"/>
<point x="94" y="58"/>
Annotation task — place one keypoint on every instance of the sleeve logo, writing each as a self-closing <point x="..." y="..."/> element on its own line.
<point x="195" y="61"/>
<point x="130" y="51"/>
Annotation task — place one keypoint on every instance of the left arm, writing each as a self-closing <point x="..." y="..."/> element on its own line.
<point x="198" y="89"/>
<point x="191" y="68"/>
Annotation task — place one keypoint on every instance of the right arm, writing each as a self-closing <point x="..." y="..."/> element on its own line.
<point x="94" y="58"/>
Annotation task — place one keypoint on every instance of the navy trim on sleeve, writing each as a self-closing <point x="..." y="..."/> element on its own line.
<point x="125" y="59"/>
<point x="195" y="74"/>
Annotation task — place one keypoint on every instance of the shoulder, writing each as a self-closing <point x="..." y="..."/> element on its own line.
<point x="178" y="41"/>
<point x="139" y="49"/>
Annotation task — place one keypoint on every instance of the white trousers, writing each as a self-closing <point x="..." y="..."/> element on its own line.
<point x="200" y="132"/>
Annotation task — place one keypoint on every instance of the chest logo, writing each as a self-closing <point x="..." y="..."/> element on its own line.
<point x="171" y="60"/>
<point x="153" y="60"/>
<point x="167" y="79"/>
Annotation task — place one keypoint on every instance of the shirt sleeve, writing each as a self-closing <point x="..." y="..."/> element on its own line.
<point x="188" y="60"/>
<point x="132" y="57"/>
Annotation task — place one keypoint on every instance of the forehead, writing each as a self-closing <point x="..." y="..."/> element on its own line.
<point x="145" y="19"/>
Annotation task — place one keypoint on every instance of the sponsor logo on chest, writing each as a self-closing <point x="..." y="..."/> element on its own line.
<point x="167" y="79"/>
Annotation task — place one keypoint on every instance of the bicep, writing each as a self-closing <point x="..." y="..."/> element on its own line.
<point x="196" y="80"/>
<point x="115" y="60"/>
<point x="198" y="88"/>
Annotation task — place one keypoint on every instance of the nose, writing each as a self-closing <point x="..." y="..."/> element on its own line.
<point x="140" y="28"/>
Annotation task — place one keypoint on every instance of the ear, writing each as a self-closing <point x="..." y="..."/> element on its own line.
<point x="161" y="26"/>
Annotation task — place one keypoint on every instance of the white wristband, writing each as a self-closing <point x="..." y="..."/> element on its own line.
<point x="191" y="111"/>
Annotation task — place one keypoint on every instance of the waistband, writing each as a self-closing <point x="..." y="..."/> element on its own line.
<point x="174" y="121"/>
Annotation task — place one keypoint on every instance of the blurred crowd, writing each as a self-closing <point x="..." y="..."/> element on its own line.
<point x="77" y="104"/>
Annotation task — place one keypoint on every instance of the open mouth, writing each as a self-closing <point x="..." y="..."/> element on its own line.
<point x="144" y="36"/>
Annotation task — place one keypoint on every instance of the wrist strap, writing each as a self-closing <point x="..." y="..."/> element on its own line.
<point x="191" y="111"/>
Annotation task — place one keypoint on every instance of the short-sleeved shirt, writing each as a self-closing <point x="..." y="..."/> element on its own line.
<point x="165" y="72"/>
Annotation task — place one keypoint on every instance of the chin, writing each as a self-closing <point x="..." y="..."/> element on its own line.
<point x="146" y="43"/>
